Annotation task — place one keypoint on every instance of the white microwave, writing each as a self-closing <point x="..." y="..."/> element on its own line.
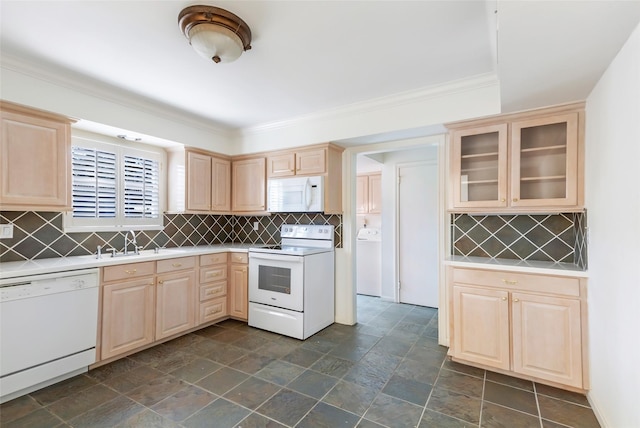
<point x="295" y="194"/>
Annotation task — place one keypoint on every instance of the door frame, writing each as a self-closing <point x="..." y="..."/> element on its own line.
<point x="346" y="312"/>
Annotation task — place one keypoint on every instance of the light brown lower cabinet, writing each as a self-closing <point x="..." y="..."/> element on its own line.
<point x="128" y="310"/>
<point x="528" y="325"/>
<point x="157" y="301"/>
<point x="238" y="297"/>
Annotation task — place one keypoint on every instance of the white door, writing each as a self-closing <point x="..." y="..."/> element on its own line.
<point x="418" y="233"/>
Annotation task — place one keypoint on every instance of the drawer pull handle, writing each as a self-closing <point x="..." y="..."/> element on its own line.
<point x="509" y="282"/>
<point x="131" y="272"/>
<point x="176" y="264"/>
<point x="216" y="273"/>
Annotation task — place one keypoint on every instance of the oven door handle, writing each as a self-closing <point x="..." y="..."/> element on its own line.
<point x="276" y="257"/>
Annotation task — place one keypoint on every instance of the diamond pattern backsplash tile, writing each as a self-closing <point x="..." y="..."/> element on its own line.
<point x="553" y="238"/>
<point x="39" y="235"/>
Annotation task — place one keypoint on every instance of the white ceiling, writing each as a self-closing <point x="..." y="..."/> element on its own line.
<point x="314" y="56"/>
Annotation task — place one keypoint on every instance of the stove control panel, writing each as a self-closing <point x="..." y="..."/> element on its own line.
<point x="306" y="231"/>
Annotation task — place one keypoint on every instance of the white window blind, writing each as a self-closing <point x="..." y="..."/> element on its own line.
<point x="93" y="183"/>
<point x="115" y="188"/>
<point x="141" y="187"/>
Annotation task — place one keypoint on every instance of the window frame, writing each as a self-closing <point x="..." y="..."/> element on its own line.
<point x="120" y="222"/>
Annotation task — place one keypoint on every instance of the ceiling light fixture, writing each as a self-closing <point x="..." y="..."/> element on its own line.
<point x="215" y="33"/>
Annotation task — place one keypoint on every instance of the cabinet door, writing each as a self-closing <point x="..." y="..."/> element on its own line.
<point x="283" y="165"/>
<point x="375" y="193"/>
<point x="238" y="292"/>
<point x="175" y="303"/>
<point x="547" y="338"/>
<point x="198" y="196"/>
<point x="479" y="167"/>
<point x="311" y="162"/>
<point x="362" y="194"/>
<point x="127" y="316"/>
<point x="481" y="326"/>
<point x="249" y="185"/>
<point x="544" y="162"/>
<point x="35" y="164"/>
<point x="220" y="184"/>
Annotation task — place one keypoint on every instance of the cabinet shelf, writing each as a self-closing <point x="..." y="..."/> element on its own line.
<point x="544" y="178"/>
<point x="480" y="181"/>
<point x="480" y="155"/>
<point x="483" y="168"/>
<point x="545" y="148"/>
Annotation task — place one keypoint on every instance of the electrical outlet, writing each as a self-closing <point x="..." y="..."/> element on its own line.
<point x="256" y="225"/>
<point x="6" y="231"/>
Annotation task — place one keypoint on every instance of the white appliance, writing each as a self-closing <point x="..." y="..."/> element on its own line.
<point x="291" y="286"/>
<point x="295" y="194"/>
<point x="369" y="262"/>
<point x="48" y="329"/>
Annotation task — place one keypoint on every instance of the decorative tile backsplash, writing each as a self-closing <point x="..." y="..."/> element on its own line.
<point x="39" y="235"/>
<point x="553" y="238"/>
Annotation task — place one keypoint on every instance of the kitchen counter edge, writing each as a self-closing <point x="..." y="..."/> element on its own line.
<point x="61" y="264"/>
<point x="534" y="267"/>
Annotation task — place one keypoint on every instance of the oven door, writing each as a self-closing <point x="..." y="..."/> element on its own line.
<point x="276" y="280"/>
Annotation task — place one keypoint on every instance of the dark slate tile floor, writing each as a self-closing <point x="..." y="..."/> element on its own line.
<point x="386" y="371"/>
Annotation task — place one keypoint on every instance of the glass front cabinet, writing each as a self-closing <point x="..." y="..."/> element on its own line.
<point x="529" y="161"/>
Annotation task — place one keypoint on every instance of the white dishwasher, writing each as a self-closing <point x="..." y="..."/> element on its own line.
<point x="48" y="329"/>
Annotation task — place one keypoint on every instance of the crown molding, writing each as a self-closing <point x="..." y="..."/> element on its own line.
<point x="383" y="103"/>
<point x="59" y="76"/>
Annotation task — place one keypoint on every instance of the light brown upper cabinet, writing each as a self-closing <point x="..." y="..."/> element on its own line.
<point x="199" y="182"/>
<point x="208" y="183"/>
<point x="531" y="161"/>
<point x="299" y="162"/>
<point x="249" y="185"/>
<point x="35" y="152"/>
<point x="369" y="193"/>
<point x="320" y="159"/>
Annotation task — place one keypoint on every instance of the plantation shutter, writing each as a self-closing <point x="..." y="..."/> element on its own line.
<point x="93" y="183"/>
<point x="141" y="187"/>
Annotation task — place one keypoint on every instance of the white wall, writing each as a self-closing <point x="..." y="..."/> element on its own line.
<point x="613" y="204"/>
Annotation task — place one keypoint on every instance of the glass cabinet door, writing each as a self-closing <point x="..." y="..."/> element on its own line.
<point x="479" y="167"/>
<point x="544" y="161"/>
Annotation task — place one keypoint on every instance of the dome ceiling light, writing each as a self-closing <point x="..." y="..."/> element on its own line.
<point x="215" y="33"/>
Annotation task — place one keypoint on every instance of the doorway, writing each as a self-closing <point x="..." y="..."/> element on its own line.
<point x="417" y="232"/>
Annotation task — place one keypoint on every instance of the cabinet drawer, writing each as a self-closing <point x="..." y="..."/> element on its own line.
<point x="239" y="258"/>
<point x="180" y="263"/>
<point x="127" y="271"/>
<point x="217" y="289"/>
<point x="513" y="281"/>
<point x="214" y="273"/>
<point x="212" y="310"/>
<point x="213" y="259"/>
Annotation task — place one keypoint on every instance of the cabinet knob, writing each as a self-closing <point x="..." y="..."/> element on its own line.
<point x="503" y="200"/>
<point x="504" y="299"/>
<point x="160" y="282"/>
<point x="516" y="300"/>
<point x="515" y="199"/>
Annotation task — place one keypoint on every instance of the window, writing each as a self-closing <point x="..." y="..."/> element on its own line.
<point x="115" y="187"/>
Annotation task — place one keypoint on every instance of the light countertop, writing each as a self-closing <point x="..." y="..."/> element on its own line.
<point x="536" y="267"/>
<point x="60" y="264"/>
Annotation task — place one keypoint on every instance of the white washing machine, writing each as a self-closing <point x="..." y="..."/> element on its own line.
<point x="368" y="262"/>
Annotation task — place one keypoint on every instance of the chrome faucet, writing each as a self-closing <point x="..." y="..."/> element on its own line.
<point x="132" y="241"/>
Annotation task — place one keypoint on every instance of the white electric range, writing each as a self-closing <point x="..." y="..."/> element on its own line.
<point x="291" y="285"/>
